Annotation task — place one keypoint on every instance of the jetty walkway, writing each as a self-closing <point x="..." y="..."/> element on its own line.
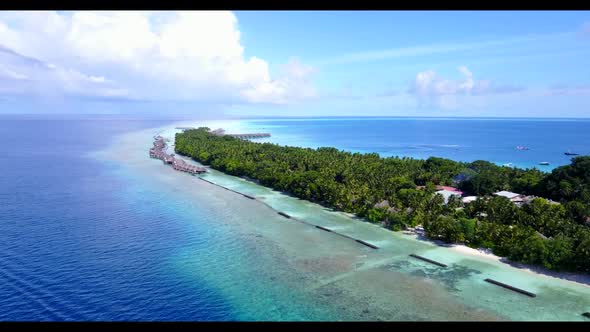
<point x="248" y="136"/>
<point x="221" y="132"/>
<point x="157" y="152"/>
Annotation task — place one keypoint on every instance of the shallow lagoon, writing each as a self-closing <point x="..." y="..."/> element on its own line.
<point x="273" y="268"/>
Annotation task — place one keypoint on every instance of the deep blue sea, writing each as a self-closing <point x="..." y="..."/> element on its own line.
<point x="86" y="239"/>
<point x="78" y="242"/>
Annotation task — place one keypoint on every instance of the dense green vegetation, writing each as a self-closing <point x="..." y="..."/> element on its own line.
<point x="384" y="190"/>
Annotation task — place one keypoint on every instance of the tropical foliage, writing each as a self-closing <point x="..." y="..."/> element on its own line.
<point x="385" y="191"/>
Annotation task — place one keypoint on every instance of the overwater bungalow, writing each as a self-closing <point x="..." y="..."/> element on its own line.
<point x="157" y="152"/>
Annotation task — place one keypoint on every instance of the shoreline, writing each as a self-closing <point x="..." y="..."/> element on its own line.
<point x="487" y="254"/>
<point x="480" y="253"/>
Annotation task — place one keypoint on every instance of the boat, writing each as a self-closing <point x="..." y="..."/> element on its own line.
<point x="568" y="153"/>
<point x="544" y="163"/>
<point x="520" y="147"/>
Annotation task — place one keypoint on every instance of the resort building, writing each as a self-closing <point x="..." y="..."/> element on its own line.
<point x="382" y="204"/>
<point x="446" y="194"/>
<point x="515" y="198"/>
<point x="468" y="199"/>
<point x="447" y="188"/>
<point x="445" y="191"/>
<point x="507" y="194"/>
<point x="453" y="189"/>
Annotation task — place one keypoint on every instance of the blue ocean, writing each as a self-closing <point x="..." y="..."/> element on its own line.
<point x="89" y="235"/>
<point x="465" y="139"/>
<point x="77" y="241"/>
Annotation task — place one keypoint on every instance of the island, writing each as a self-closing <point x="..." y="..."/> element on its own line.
<point x="524" y="215"/>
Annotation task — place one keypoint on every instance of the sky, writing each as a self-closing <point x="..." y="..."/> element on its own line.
<point x="297" y="63"/>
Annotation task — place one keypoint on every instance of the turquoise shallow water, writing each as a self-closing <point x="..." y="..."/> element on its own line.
<point x="456" y="292"/>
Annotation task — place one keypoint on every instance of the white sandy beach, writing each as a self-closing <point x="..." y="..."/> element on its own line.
<point x="481" y="253"/>
<point x="486" y="254"/>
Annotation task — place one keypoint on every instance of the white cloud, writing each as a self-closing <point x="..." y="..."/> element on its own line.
<point x="23" y="75"/>
<point x="293" y="84"/>
<point x="187" y="55"/>
<point x="429" y="88"/>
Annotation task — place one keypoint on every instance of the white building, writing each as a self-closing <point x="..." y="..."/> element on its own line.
<point x="446" y="194"/>
<point x="515" y="198"/>
<point x="469" y="199"/>
<point x="507" y="194"/>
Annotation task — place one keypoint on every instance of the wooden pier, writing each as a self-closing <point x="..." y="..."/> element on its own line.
<point x="157" y="152"/>
<point x="249" y="136"/>
<point x="221" y="132"/>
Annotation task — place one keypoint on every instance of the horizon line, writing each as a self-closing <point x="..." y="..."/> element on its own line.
<point x="222" y="117"/>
